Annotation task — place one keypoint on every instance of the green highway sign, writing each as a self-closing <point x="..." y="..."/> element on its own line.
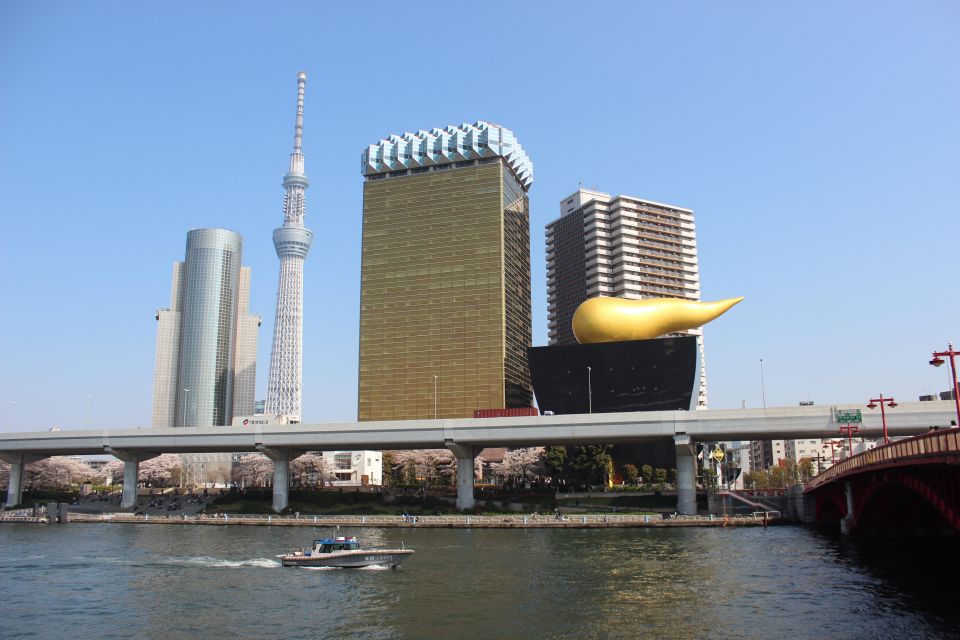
<point x="849" y="415"/>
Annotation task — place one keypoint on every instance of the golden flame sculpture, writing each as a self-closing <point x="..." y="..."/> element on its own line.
<point x="619" y="319"/>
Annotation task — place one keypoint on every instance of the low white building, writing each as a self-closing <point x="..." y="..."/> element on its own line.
<point x="355" y="468"/>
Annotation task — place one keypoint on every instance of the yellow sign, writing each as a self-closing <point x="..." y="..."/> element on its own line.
<point x="717" y="454"/>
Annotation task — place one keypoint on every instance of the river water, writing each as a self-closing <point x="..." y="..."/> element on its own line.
<point x="165" y="581"/>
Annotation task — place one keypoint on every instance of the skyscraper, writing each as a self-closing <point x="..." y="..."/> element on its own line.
<point x="621" y="247"/>
<point x="206" y="341"/>
<point x="445" y="277"/>
<point x="292" y="242"/>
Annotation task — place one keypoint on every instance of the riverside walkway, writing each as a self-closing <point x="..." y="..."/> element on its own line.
<point x="592" y="521"/>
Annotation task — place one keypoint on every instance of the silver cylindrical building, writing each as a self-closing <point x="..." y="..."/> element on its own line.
<point x="208" y="328"/>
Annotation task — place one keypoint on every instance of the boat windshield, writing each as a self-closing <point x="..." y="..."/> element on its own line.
<point x="329" y="546"/>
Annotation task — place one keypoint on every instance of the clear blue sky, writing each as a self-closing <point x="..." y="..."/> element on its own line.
<point x="817" y="143"/>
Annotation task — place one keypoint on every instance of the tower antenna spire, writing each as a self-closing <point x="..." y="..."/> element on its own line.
<point x="298" y="132"/>
<point x="292" y="242"/>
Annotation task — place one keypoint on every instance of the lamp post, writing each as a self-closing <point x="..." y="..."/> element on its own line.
<point x="883" y="414"/>
<point x="850" y="428"/>
<point x="937" y="361"/>
<point x="589" y="390"/>
<point x="763" y="386"/>
<point x="435" y="397"/>
<point x="183" y="412"/>
<point x="833" y="453"/>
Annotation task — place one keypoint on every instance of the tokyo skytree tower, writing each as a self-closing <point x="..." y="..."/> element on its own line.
<point x="292" y="242"/>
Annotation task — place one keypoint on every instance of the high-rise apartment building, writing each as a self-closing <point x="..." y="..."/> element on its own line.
<point x="292" y="242"/>
<point x="206" y="354"/>
<point x="622" y="247"/>
<point x="445" y="278"/>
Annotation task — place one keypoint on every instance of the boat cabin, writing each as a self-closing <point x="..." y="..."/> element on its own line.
<point x="340" y="543"/>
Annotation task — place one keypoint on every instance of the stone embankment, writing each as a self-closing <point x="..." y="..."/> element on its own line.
<point x="444" y="521"/>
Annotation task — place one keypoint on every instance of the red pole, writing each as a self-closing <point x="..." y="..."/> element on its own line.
<point x="883" y="419"/>
<point x="956" y="387"/>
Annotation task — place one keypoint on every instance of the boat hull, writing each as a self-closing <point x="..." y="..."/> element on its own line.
<point x="348" y="559"/>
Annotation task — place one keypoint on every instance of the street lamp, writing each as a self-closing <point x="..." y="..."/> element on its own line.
<point x="937" y="361"/>
<point x="435" y="396"/>
<point x="850" y="428"/>
<point x="183" y="411"/>
<point x="589" y="390"/>
<point x="763" y="386"/>
<point x="883" y="414"/>
<point x="833" y="453"/>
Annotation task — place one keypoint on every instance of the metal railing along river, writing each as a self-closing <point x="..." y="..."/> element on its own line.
<point x="391" y="521"/>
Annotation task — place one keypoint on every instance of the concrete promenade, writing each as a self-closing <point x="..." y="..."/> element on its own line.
<point x="592" y="521"/>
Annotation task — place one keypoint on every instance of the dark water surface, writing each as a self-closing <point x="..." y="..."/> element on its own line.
<point x="153" y="581"/>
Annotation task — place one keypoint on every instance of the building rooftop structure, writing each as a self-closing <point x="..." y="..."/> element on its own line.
<point x="419" y="152"/>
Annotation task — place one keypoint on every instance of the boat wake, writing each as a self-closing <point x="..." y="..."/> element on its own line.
<point x="209" y="561"/>
<point x="372" y="567"/>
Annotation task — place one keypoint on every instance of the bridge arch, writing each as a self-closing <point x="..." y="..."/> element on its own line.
<point x="897" y="498"/>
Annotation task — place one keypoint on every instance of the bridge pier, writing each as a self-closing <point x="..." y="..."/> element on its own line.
<point x="686" y="476"/>
<point x="17" y="462"/>
<point x="131" y="471"/>
<point x="281" y="474"/>
<point x="465" y="455"/>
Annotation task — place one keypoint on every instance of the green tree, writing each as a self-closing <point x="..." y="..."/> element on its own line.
<point x="806" y="470"/>
<point x="660" y="475"/>
<point x="589" y="464"/>
<point x="647" y="472"/>
<point x="673" y="475"/>
<point x="631" y="473"/>
<point x="555" y="461"/>
<point x="389" y="478"/>
<point x="778" y="477"/>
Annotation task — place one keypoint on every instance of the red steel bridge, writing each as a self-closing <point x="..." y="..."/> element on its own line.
<point x="907" y="486"/>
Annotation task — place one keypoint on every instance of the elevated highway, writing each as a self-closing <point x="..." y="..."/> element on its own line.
<point x="465" y="437"/>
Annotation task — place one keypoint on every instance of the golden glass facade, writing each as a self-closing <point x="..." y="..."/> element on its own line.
<point x="445" y="292"/>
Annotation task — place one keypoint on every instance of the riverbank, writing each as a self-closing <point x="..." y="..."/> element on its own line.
<point x="434" y="522"/>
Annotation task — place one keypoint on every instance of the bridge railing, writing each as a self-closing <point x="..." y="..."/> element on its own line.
<point x="927" y="444"/>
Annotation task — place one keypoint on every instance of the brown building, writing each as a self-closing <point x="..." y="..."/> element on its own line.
<point x="445" y="280"/>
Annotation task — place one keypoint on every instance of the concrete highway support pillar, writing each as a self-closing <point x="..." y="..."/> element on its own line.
<point x="281" y="474"/>
<point x="686" y="476"/>
<point x="17" y="462"/>
<point x="131" y="470"/>
<point x="465" y="455"/>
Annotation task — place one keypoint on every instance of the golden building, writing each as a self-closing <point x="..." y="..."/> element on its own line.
<point x="445" y="281"/>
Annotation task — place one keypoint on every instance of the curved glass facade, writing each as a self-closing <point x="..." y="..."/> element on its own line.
<point x="208" y="328"/>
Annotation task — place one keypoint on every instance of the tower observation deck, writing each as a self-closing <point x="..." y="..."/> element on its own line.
<point x="292" y="242"/>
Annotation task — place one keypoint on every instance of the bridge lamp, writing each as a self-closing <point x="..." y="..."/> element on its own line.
<point x="938" y="360"/>
<point x="883" y="414"/>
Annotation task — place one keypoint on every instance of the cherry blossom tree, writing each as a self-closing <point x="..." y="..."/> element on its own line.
<point x="310" y="469"/>
<point x="520" y="465"/>
<point x="56" y="472"/>
<point x="110" y="473"/>
<point x="253" y="470"/>
<point x="428" y="467"/>
<point x="160" y="471"/>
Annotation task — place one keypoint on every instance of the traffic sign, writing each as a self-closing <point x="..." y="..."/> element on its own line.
<point x="717" y="454"/>
<point x="849" y="415"/>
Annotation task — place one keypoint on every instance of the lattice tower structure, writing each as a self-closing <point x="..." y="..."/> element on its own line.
<point x="292" y="242"/>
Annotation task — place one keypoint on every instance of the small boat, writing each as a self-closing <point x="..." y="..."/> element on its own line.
<point x="343" y="552"/>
